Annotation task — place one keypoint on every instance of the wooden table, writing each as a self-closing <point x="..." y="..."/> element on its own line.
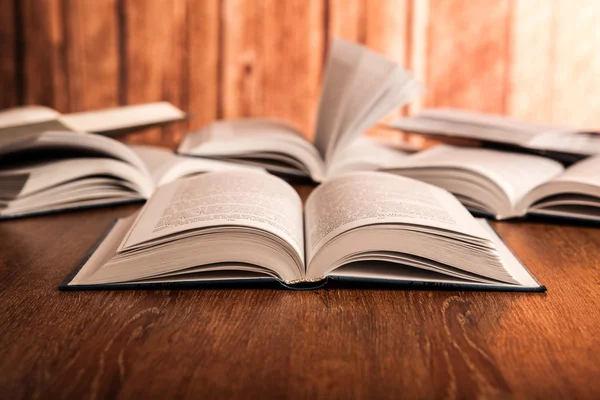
<point x="338" y="342"/>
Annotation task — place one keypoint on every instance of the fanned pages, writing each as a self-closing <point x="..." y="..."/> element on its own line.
<point x="62" y="170"/>
<point x="508" y="185"/>
<point x="360" y="88"/>
<point x="241" y="225"/>
<point x="562" y="143"/>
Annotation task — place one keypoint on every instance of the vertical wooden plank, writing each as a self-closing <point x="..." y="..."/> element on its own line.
<point x="387" y="28"/>
<point x="203" y="61"/>
<point x="272" y="57"/>
<point x="44" y="58"/>
<point x="416" y="52"/>
<point x="293" y="57"/>
<point x="156" y="64"/>
<point x="346" y="19"/>
<point x="9" y="95"/>
<point x="531" y="60"/>
<point x="241" y="95"/>
<point x="576" y="98"/>
<point x="92" y="59"/>
<point x="467" y="54"/>
<point x="70" y="54"/>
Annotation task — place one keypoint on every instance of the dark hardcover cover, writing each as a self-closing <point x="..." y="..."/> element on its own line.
<point x="272" y="283"/>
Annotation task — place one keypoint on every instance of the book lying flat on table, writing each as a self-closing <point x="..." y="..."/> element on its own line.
<point x="360" y="88"/>
<point x="562" y="143"/>
<point x="55" y="171"/>
<point x="508" y="185"/>
<point x="245" y="226"/>
<point x="20" y="121"/>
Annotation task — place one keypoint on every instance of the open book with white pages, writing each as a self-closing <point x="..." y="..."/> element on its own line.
<point x="508" y="185"/>
<point x="562" y="143"/>
<point x="360" y="88"/>
<point x="250" y="226"/>
<point x="63" y="170"/>
<point x="18" y="122"/>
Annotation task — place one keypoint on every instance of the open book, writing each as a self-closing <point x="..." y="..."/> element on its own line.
<point x="561" y="143"/>
<point x="360" y="88"/>
<point x="21" y="121"/>
<point x="62" y="170"/>
<point x="249" y="226"/>
<point x="508" y="185"/>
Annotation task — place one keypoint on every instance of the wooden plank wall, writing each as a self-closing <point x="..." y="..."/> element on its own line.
<point x="535" y="59"/>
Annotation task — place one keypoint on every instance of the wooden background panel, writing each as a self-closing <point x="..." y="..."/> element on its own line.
<point x="204" y="63"/>
<point x="9" y="95"/>
<point x="245" y="58"/>
<point x="90" y="51"/>
<point x="531" y="42"/>
<point x="292" y="56"/>
<point x="44" y="54"/>
<point x="467" y="48"/>
<point x="576" y="88"/>
<point x="272" y="55"/>
<point x="154" y="64"/>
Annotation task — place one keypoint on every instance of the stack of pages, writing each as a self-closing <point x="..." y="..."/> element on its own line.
<point x="508" y="185"/>
<point x="57" y="171"/>
<point x="561" y="143"/>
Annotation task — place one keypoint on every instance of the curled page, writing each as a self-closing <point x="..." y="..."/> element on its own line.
<point x="360" y="88"/>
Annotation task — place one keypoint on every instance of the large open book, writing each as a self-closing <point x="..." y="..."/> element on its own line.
<point x="251" y="226"/>
<point x="60" y="170"/>
<point x="360" y="88"/>
<point x="562" y="143"/>
<point x="22" y="121"/>
<point x="507" y="185"/>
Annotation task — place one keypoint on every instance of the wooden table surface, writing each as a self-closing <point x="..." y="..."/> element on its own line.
<point x="337" y="342"/>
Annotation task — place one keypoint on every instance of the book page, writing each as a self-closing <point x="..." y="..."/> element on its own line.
<point x="16" y="133"/>
<point x="241" y="198"/>
<point x="397" y="88"/>
<point x="266" y="140"/>
<point x="124" y="117"/>
<point x="516" y="174"/>
<point x="462" y="124"/>
<point x="569" y="142"/>
<point x="26" y="115"/>
<point x="360" y="88"/>
<point x="166" y="166"/>
<point x="365" y="198"/>
<point x="586" y="172"/>
<point x="340" y="70"/>
<point x="365" y="154"/>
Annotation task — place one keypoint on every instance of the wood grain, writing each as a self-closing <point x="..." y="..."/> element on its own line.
<point x="44" y="54"/>
<point x="293" y="41"/>
<point x="338" y="342"/>
<point x="575" y="82"/>
<point x="533" y="29"/>
<point x="156" y="65"/>
<point x="467" y="54"/>
<point x="240" y="51"/>
<point x="204" y="61"/>
<point x="9" y="87"/>
<point x="346" y="19"/>
<point x="91" y="54"/>
<point x="272" y="58"/>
